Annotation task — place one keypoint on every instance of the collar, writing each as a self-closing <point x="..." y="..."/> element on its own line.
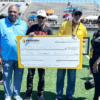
<point x="41" y="27"/>
<point x="70" y="23"/>
<point x="8" y="21"/>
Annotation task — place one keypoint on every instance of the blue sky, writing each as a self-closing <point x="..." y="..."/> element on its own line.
<point x="98" y="1"/>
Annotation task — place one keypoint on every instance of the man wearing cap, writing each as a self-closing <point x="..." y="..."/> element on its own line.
<point x="37" y="29"/>
<point x="72" y="27"/>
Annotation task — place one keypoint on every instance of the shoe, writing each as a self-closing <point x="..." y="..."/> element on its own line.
<point x="8" y="98"/>
<point x="17" y="98"/>
<point x="40" y="98"/>
<point x="70" y="99"/>
<point x="28" y="98"/>
<point x="58" y="99"/>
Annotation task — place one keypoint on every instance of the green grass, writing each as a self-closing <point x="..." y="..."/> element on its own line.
<point x="50" y="84"/>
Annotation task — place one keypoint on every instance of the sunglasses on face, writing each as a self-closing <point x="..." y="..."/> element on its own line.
<point x="39" y="17"/>
<point x="98" y="22"/>
<point x="78" y="13"/>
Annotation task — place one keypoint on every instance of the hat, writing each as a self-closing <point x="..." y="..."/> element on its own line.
<point x="41" y="13"/>
<point x="76" y="9"/>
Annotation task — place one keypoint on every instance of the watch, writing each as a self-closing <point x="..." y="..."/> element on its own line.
<point x="96" y="63"/>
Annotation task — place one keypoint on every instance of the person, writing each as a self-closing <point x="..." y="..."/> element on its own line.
<point x="72" y="27"/>
<point x="37" y="29"/>
<point x="3" y="16"/>
<point x="95" y="61"/>
<point x="1" y="69"/>
<point x="10" y="27"/>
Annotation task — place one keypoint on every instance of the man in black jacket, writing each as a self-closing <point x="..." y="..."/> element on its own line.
<point x="37" y="29"/>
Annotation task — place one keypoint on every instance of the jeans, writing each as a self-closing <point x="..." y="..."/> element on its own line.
<point x="31" y="72"/>
<point x="71" y="77"/>
<point x="96" y="76"/>
<point x="8" y="67"/>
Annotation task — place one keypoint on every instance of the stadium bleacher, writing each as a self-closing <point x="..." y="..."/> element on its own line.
<point x="4" y="9"/>
<point x="60" y="8"/>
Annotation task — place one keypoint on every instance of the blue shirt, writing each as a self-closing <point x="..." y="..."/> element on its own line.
<point x="8" y="33"/>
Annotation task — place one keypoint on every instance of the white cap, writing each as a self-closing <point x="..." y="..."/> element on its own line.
<point x="41" y="13"/>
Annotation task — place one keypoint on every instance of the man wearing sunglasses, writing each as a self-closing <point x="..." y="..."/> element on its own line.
<point x="72" y="27"/>
<point x="37" y="29"/>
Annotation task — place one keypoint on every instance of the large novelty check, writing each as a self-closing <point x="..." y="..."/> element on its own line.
<point x="50" y="51"/>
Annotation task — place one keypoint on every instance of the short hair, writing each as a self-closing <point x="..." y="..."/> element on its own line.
<point x="98" y="17"/>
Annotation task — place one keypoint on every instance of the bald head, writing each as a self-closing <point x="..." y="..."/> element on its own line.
<point x="13" y="7"/>
<point x="13" y="13"/>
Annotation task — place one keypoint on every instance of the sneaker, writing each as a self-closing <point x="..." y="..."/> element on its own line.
<point x="40" y="98"/>
<point x="58" y="99"/>
<point x="17" y="98"/>
<point x="8" y="98"/>
<point x="28" y="98"/>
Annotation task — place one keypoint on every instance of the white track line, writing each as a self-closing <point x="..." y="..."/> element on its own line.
<point x="87" y="56"/>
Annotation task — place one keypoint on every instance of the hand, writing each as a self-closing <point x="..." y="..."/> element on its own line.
<point x="95" y="68"/>
<point x="32" y="34"/>
<point x="45" y="68"/>
<point x="1" y="61"/>
<point x="99" y="98"/>
<point x="73" y="34"/>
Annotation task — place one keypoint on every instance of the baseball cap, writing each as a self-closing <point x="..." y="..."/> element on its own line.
<point x="41" y="13"/>
<point x="76" y="9"/>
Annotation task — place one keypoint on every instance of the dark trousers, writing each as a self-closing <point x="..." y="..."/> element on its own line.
<point x="40" y="88"/>
<point x="96" y="76"/>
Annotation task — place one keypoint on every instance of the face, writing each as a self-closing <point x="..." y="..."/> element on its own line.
<point x="77" y="16"/>
<point x="41" y="20"/>
<point x="13" y="13"/>
<point x="98" y="23"/>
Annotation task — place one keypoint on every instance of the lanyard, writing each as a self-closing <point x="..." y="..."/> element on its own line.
<point x="76" y="29"/>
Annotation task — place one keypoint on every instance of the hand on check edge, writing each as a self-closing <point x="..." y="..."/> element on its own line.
<point x="45" y="68"/>
<point x="73" y="34"/>
<point x="32" y="34"/>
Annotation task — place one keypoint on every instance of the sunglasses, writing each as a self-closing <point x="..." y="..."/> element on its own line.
<point x="39" y="17"/>
<point x="98" y="22"/>
<point x="78" y="13"/>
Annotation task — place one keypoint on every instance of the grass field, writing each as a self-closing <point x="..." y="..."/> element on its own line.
<point x="50" y="84"/>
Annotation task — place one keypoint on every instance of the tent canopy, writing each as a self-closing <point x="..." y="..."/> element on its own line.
<point x="69" y="7"/>
<point x="53" y="17"/>
<point x="67" y="12"/>
<point x="50" y="11"/>
<point x="66" y="15"/>
<point x="70" y="16"/>
<point x="18" y="5"/>
<point x="33" y="16"/>
<point x="82" y="17"/>
<point x="91" y="17"/>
